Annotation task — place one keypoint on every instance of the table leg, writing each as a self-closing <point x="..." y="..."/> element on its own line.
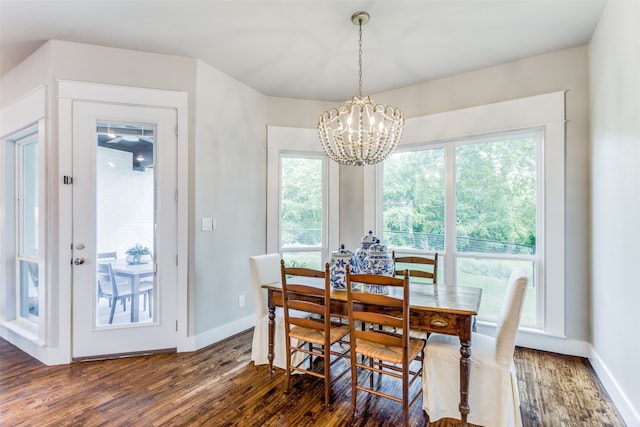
<point x="465" y="371"/>
<point x="272" y="331"/>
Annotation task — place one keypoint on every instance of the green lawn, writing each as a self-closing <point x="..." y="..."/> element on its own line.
<point x="492" y="294"/>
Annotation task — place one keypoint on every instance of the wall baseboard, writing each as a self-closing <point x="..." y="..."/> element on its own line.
<point x="540" y="341"/>
<point x="629" y="413"/>
<point x="212" y="336"/>
<point x="30" y="344"/>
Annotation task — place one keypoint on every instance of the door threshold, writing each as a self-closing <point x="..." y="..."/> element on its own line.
<point x="123" y="355"/>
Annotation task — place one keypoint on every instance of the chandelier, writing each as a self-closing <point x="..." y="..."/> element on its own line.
<point x="360" y="131"/>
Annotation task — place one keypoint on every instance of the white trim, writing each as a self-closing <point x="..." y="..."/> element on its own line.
<point x="97" y="92"/>
<point x="630" y="413"/>
<point x="545" y="111"/>
<point x="24" y="112"/>
<point x="30" y="111"/>
<point x="501" y="116"/>
<point x="182" y="188"/>
<point x="220" y="333"/>
<point x="540" y="341"/>
<point x="69" y="91"/>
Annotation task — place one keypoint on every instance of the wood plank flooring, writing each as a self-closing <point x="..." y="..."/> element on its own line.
<point x="219" y="386"/>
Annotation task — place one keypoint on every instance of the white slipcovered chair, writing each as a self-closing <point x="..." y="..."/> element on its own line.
<point x="266" y="269"/>
<point x="493" y="385"/>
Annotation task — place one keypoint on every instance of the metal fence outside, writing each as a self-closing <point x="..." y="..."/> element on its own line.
<point x="415" y="240"/>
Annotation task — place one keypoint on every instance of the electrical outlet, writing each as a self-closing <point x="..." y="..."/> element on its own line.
<point x="241" y="301"/>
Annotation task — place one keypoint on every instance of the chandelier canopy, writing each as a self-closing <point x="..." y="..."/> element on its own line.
<point x="360" y="132"/>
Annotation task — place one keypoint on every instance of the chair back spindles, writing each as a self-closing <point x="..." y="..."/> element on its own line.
<point x="394" y="354"/>
<point x="424" y="268"/>
<point x="314" y="335"/>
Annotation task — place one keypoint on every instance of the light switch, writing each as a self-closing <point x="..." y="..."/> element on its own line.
<point x="207" y="224"/>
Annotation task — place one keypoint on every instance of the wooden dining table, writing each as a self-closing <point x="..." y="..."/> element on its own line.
<point x="443" y="309"/>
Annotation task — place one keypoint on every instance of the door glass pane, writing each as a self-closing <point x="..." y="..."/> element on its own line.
<point x="301" y="210"/>
<point x="125" y="218"/>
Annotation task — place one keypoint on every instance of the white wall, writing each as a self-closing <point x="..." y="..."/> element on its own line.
<point x="614" y="67"/>
<point x="557" y="71"/>
<point x="229" y="185"/>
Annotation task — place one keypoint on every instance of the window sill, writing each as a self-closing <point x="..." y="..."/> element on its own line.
<point x="25" y="329"/>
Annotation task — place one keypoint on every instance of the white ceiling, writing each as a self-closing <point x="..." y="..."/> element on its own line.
<point x="308" y="49"/>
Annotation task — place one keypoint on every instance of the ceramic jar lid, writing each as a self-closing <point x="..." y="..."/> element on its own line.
<point x="377" y="249"/>
<point x="369" y="239"/>
<point x="342" y="252"/>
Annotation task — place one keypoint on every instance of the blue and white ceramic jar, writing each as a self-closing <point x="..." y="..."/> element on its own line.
<point x="363" y="251"/>
<point x="379" y="262"/>
<point x="338" y="268"/>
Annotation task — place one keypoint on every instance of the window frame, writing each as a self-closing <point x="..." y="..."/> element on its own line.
<point x="24" y="117"/>
<point x="300" y="143"/>
<point x="541" y="111"/>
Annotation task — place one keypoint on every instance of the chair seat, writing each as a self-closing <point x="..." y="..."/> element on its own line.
<point x="145" y="286"/>
<point x="317" y="337"/>
<point x="389" y="353"/>
<point x="493" y="384"/>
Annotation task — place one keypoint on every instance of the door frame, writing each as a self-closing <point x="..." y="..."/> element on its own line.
<point x="70" y="91"/>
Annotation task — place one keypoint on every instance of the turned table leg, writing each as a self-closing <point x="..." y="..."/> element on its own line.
<point x="272" y="332"/>
<point x="465" y="371"/>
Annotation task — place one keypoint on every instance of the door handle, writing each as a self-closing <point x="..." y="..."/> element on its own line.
<point x="78" y="261"/>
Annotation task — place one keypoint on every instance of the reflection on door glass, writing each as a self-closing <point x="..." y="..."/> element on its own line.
<point x="125" y="218"/>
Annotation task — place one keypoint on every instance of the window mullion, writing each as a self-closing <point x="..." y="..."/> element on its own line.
<point x="450" y="215"/>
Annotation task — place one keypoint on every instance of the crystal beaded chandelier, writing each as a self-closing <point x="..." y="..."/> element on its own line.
<point x="360" y="132"/>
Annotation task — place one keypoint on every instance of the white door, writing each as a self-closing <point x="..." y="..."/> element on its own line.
<point x="124" y="229"/>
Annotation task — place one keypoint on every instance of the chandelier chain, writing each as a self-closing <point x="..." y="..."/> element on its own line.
<point x="360" y="61"/>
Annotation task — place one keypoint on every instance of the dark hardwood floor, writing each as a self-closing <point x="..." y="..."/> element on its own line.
<point x="219" y="386"/>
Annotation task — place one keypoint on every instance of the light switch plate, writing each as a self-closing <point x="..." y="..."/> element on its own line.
<point x="207" y="224"/>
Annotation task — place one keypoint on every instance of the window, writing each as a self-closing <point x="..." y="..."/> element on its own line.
<point x="302" y="198"/>
<point x="301" y="210"/>
<point x="22" y="225"/>
<point x="492" y="221"/>
<point x="483" y="187"/>
<point x="27" y="214"/>
<point x="23" y="290"/>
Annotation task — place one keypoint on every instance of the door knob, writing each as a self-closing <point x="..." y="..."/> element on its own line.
<point x="78" y="261"/>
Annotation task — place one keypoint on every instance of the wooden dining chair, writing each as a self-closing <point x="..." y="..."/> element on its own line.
<point x="315" y="335"/>
<point x="398" y="356"/>
<point x="423" y="268"/>
<point x="493" y="389"/>
<point x="145" y="286"/>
